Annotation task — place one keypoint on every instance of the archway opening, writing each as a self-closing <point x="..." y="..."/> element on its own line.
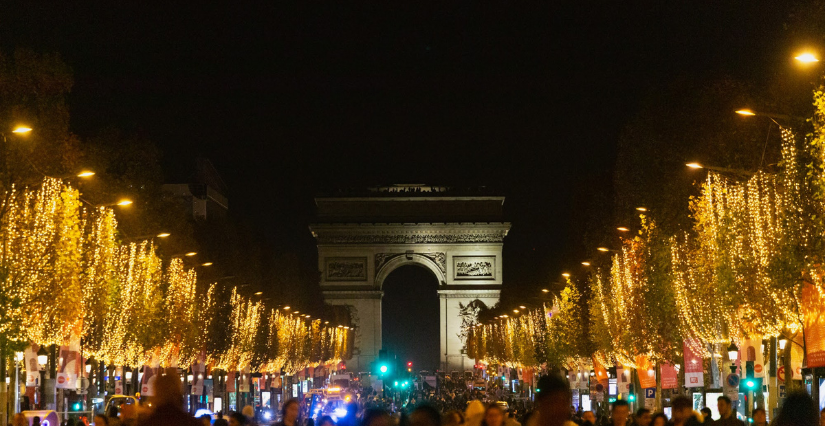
<point x="410" y="317"/>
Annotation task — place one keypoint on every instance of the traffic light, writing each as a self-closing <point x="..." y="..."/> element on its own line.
<point x="631" y="394"/>
<point x="631" y="397"/>
<point x="409" y="364"/>
<point x="76" y="406"/>
<point x="383" y="368"/>
<point x="750" y="384"/>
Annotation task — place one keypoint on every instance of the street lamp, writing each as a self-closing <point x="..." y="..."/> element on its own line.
<point x="806" y="58"/>
<point x="623" y="229"/>
<point x="782" y="342"/>
<point x="565" y="275"/>
<point x="21" y="130"/>
<point x="586" y="263"/>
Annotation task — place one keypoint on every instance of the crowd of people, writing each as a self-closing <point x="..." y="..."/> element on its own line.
<point x="467" y="408"/>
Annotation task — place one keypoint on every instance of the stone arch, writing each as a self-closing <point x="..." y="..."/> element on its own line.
<point x="409" y="259"/>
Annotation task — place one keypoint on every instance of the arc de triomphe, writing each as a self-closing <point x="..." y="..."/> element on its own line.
<point x="362" y="237"/>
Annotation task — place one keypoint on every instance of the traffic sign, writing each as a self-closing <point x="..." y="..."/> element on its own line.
<point x="650" y="393"/>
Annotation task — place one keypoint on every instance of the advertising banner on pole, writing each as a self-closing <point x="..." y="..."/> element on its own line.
<point x="646" y="372"/>
<point x="147" y="381"/>
<point x="32" y="367"/>
<point x="813" y="310"/>
<point x="198" y="372"/>
<point x="751" y="351"/>
<point x="623" y="379"/>
<point x="245" y="380"/>
<point x="669" y="376"/>
<point x="230" y="381"/>
<point x="694" y="374"/>
<point x="601" y="374"/>
<point x="68" y="366"/>
<point x="119" y="381"/>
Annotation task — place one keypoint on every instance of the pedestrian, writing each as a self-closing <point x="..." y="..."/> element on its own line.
<point x="168" y="404"/>
<point x="326" y="421"/>
<point x="376" y="417"/>
<point x="682" y="412"/>
<point x="19" y="419"/>
<point x="493" y="416"/>
<point x="101" y="420"/>
<point x="220" y="421"/>
<point x="643" y="417"/>
<point x="36" y="421"/>
<point x="589" y="418"/>
<point x="453" y="418"/>
<point x="206" y="420"/>
<point x="619" y="412"/>
<point x="111" y="413"/>
<point x="707" y="416"/>
<point x="289" y="413"/>
<point x="425" y="415"/>
<point x="659" y="419"/>
<point x="249" y="413"/>
<point x="726" y="415"/>
<point x="236" y="419"/>
<point x="553" y="399"/>
<point x="474" y="413"/>
<point x="760" y="418"/>
<point x="797" y="410"/>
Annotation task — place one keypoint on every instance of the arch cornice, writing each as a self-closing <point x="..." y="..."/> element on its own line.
<point x="409" y="259"/>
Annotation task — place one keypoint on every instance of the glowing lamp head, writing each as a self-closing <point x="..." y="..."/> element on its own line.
<point x="603" y="249"/>
<point x="807" y="58"/>
<point x="733" y="352"/>
<point x="206" y="264"/>
<point x="544" y="290"/>
<point x="694" y="165"/>
<point x="623" y="229"/>
<point x="85" y="174"/>
<point x="782" y="342"/>
<point x="383" y="369"/>
<point x="641" y="209"/>
<point x="163" y="235"/>
<point x="191" y="253"/>
<point x="565" y="275"/>
<point x="586" y="263"/>
<point x="745" y="112"/>
<point x="21" y="130"/>
<point x="124" y="202"/>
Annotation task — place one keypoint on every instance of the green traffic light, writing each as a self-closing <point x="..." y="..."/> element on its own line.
<point x="750" y="384"/>
<point x="631" y="397"/>
<point x="383" y="369"/>
<point x="396" y="384"/>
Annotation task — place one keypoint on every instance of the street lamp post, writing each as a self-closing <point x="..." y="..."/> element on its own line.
<point x="42" y="360"/>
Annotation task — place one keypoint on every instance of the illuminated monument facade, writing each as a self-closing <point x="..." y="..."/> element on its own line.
<point x="362" y="236"/>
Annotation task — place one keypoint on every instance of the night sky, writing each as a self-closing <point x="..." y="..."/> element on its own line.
<point x="292" y="98"/>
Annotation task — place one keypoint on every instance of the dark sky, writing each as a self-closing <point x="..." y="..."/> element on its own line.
<point x="288" y="98"/>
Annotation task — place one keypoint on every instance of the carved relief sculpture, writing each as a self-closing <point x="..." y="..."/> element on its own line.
<point x="346" y="268"/>
<point x="474" y="267"/>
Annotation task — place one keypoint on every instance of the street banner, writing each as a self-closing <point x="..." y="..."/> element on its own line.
<point x="520" y="372"/>
<point x="751" y="351"/>
<point x="198" y="372"/>
<point x="813" y="310"/>
<point x="528" y="376"/>
<point x="797" y="353"/>
<point x="669" y="376"/>
<point x="694" y="374"/>
<point x="32" y="367"/>
<point x="208" y="389"/>
<point x="68" y="366"/>
<point x="230" y="381"/>
<point x="572" y="378"/>
<point x="601" y="374"/>
<point x="623" y="379"/>
<point x="244" y="382"/>
<point x="275" y="381"/>
<point x="646" y="372"/>
<point x="118" y="380"/>
<point x="147" y="381"/>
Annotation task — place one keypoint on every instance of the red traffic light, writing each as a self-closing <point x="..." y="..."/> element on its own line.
<point x="409" y="363"/>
